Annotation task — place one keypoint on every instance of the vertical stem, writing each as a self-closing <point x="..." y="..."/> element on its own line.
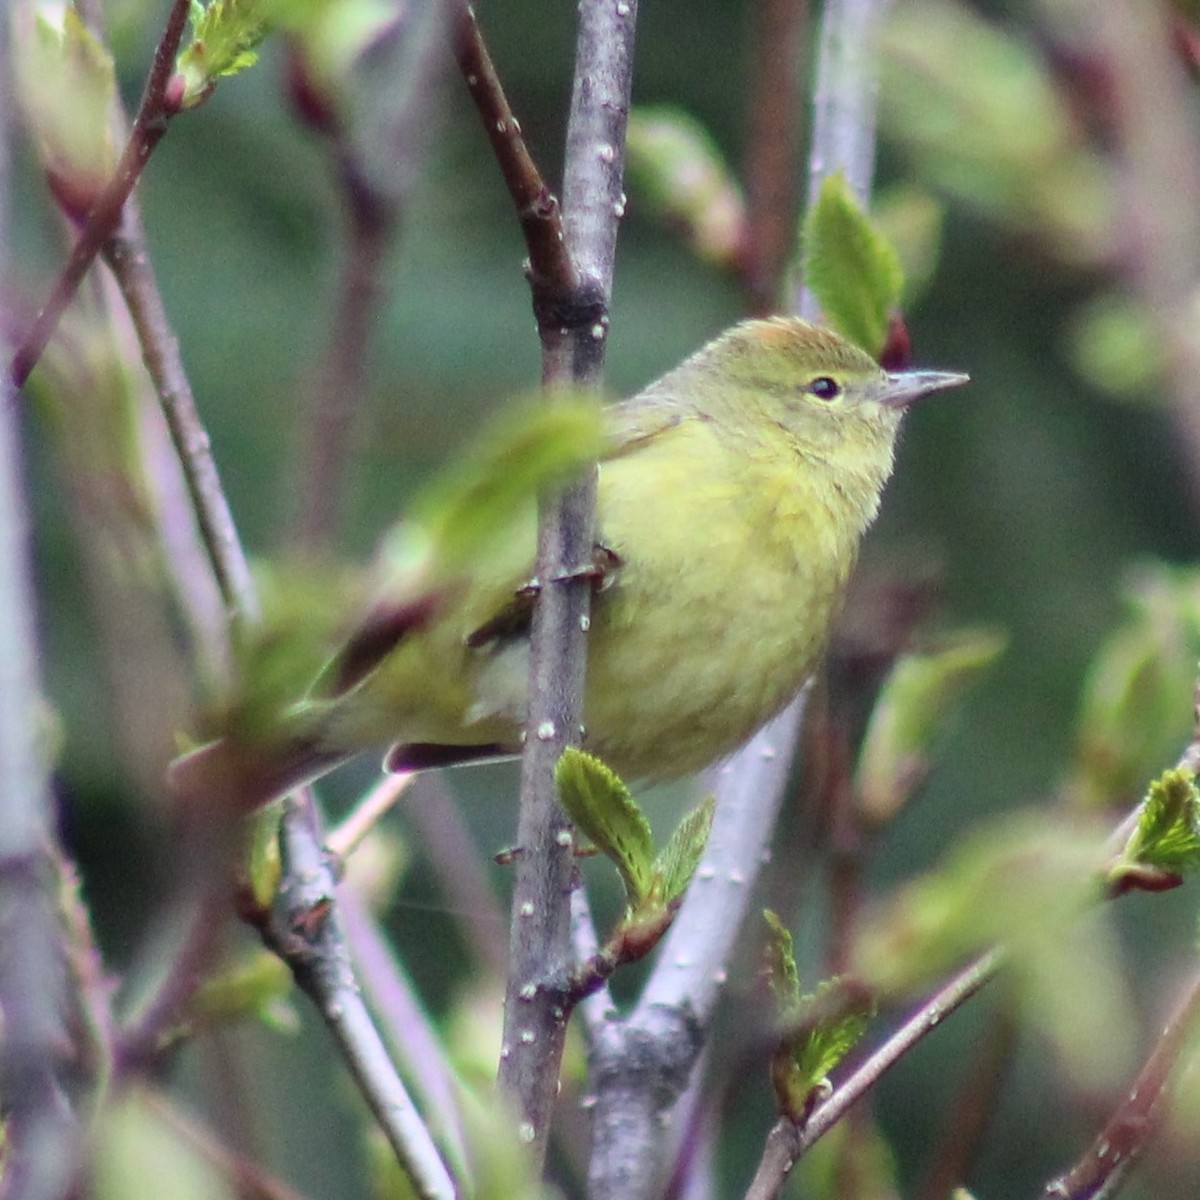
<point x="844" y="104"/>
<point x="340" y="391"/>
<point x="772" y="135"/>
<point x="574" y="338"/>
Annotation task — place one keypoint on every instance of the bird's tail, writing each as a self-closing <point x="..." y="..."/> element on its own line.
<point x="222" y="777"/>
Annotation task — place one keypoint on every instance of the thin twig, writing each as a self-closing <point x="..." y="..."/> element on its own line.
<point x="146" y="1032"/>
<point x="924" y="1021"/>
<point x="91" y="990"/>
<point x="411" y="1037"/>
<point x="787" y="1142"/>
<point x="149" y="125"/>
<point x="341" y="389"/>
<point x="1125" y="1137"/>
<point x="306" y="931"/>
<point x="778" y="1158"/>
<point x="248" y="1178"/>
<point x="551" y="272"/>
<point x="126" y="254"/>
<point x="345" y="838"/>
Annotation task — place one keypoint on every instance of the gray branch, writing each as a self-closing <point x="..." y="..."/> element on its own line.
<point x="40" y="1129"/>
<point x="306" y="930"/>
<point x="574" y="331"/>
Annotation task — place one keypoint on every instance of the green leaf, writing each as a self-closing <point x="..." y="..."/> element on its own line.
<point x="1136" y="711"/>
<point x="225" y="35"/>
<point x="1168" y="826"/>
<point x="674" y="164"/>
<point x="821" y="1048"/>
<point x="65" y="83"/>
<point x="850" y="266"/>
<point x="252" y="988"/>
<point x="677" y="861"/>
<point x="780" y="963"/>
<point x="911" y="219"/>
<point x="908" y="714"/>
<point x="524" y="450"/>
<point x="603" y="807"/>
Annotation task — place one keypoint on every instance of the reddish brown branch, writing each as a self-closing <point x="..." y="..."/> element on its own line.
<point x="155" y="110"/>
<point x="772" y="136"/>
<point x="249" y="1179"/>
<point x="552" y="275"/>
<point x="339" y="395"/>
<point x="1124" y="1139"/>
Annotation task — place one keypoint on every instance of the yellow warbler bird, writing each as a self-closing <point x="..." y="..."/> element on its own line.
<point x="733" y="493"/>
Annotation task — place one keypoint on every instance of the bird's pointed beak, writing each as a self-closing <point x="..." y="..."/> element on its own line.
<point x="903" y="387"/>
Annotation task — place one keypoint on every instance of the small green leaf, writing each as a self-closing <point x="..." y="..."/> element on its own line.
<point x="524" y="449"/>
<point x="677" y="861"/>
<point x="252" y="988"/>
<point x="673" y="162"/>
<point x="263" y="862"/>
<point x="1168" y="826"/>
<point x="911" y="219"/>
<point x="1136" y="711"/>
<point x="225" y="35"/>
<point x="780" y="963"/>
<point x="850" y="266"/>
<point x="65" y="82"/>
<point x="911" y="707"/>
<point x="821" y="1048"/>
<point x="603" y="807"/>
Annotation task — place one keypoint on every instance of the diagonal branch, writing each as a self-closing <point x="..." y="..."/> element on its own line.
<point x="1124" y="1138"/>
<point x="551" y="271"/>
<point x="126" y="253"/>
<point x="149" y="126"/>
<point x="306" y="930"/>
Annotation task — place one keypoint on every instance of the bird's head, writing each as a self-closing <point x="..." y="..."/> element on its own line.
<point x="812" y="382"/>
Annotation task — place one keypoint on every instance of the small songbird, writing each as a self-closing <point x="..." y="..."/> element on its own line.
<point x="733" y="493"/>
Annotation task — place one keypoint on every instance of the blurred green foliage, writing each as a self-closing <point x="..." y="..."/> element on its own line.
<point x="1031" y="495"/>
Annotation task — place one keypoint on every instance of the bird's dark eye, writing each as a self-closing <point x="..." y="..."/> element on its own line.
<point x="825" y="388"/>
